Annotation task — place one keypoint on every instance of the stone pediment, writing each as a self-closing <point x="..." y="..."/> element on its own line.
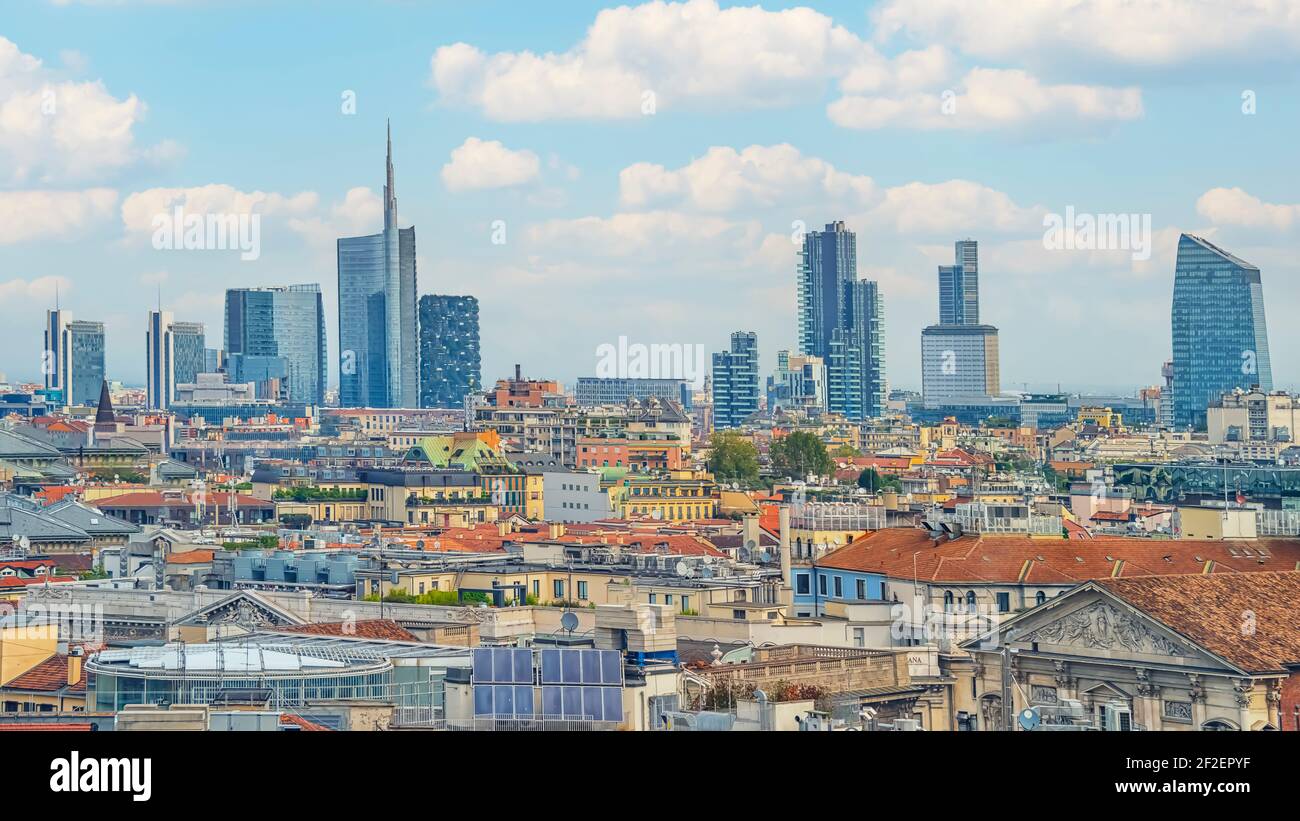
<point x="244" y="609"/>
<point x="1101" y="625"/>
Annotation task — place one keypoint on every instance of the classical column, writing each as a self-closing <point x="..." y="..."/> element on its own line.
<point x="1198" y="700"/>
<point x="1242" y="688"/>
<point x="1273" y="698"/>
<point x="1065" y="683"/>
<point x="1148" y="701"/>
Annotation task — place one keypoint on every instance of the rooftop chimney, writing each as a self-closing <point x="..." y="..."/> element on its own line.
<point x="783" y="517"/>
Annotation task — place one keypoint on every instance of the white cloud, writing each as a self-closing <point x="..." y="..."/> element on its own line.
<point x="988" y="99"/>
<point x="30" y="215"/>
<point x="756" y="176"/>
<point x="646" y="236"/>
<point x="686" y="54"/>
<point x="478" y="164"/>
<point x="950" y="208"/>
<point x="53" y="129"/>
<point x="1122" y="32"/>
<point x="140" y="209"/>
<point x="1235" y="207"/>
<point x="39" y="289"/>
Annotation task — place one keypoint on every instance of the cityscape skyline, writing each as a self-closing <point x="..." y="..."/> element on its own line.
<point x="637" y="200"/>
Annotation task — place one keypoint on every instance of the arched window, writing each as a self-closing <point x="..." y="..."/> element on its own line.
<point x="1040" y="597"/>
<point x="947" y="600"/>
<point x="970" y="601"/>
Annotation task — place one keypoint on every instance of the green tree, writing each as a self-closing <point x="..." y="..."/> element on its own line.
<point x="734" y="458"/>
<point x="799" y="454"/>
<point x="871" y="480"/>
<point x="847" y="452"/>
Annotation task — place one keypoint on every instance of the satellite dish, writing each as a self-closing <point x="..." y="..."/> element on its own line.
<point x="751" y="544"/>
<point x="681" y="569"/>
<point x="706" y="572"/>
<point x="569" y="621"/>
<point x="744" y="554"/>
<point x="1029" y="718"/>
<point x="765" y="557"/>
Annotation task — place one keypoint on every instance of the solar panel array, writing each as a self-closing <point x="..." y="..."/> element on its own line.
<point x="575" y="684"/>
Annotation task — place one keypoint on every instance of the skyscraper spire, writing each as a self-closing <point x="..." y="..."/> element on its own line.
<point x="390" y="195"/>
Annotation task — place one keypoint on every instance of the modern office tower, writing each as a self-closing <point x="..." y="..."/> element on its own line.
<point x="1220" y="339"/>
<point x="735" y="381"/>
<point x="214" y="359"/>
<point x="841" y="320"/>
<point x="73" y="362"/>
<point x="378" y="341"/>
<point x="174" y="354"/>
<point x="959" y="362"/>
<point x="799" y="383"/>
<point x="592" y="391"/>
<point x="959" y="356"/>
<point x="277" y="336"/>
<point x="450" y="366"/>
<point x="959" y="287"/>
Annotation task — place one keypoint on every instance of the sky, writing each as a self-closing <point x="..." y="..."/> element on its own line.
<point x="644" y="171"/>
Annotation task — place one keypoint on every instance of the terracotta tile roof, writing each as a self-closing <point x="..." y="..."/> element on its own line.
<point x="50" y="675"/>
<point x="191" y="557"/>
<point x="288" y="720"/>
<point x="1022" y="559"/>
<point x="155" y="498"/>
<point x="386" y="629"/>
<point x="27" y="564"/>
<point x="1249" y="619"/>
<point x="16" y="581"/>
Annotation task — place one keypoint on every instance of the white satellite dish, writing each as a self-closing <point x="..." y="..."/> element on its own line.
<point x="681" y="568"/>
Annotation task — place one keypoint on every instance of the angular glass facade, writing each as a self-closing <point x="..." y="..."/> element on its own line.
<point x="73" y="362"/>
<point x="378" y="353"/>
<point x="278" y="333"/>
<point x="1220" y="340"/>
<point x="959" y="286"/>
<point x="449" y="350"/>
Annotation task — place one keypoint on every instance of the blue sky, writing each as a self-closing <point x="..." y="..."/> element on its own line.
<point x="666" y="227"/>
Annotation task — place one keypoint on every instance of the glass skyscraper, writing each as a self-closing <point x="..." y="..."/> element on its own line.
<point x="378" y="353"/>
<point x="735" y="381"/>
<point x="1220" y="339"/>
<point x="841" y="320"/>
<point x="959" y="287"/>
<point x="449" y="350"/>
<point x="73" y="363"/>
<point x="174" y="354"/>
<point x="278" y="333"/>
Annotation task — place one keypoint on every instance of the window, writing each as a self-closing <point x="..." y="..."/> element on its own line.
<point x="654" y="598"/>
<point x="1004" y="602"/>
<point x="839" y="587"/>
<point x="862" y="589"/>
<point x="947" y="600"/>
<point x="821" y="585"/>
<point x="1040" y="597"/>
<point x="668" y="598"/>
<point x="801" y="585"/>
<point x="537" y="588"/>
<point x="970" y="601"/>
<point x="859" y="637"/>
<point x="582" y="590"/>
<point x="558" y="589"/>
<point x="686" y="603"/>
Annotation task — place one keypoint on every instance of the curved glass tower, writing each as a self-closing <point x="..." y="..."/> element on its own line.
<point x="378" y="345"/>
<point x="1219" y="334"/>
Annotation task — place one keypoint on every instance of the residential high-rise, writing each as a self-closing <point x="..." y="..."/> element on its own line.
<point x="959" y="287"/>
<point x="1220" y="339"/>
<point x="174" y="354"/>
<point x="378" y="340"/>
<point x="799" y="382"/>
<point x="735" y="381"/>
<point x="959" y="356"/>
<point x="450" y="366"/>
<point x="278" y="334"/>
<point x="73" y="362"/>
<point x="841" y="320"/>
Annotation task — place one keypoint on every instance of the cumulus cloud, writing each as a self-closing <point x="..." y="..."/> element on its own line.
<point x="482" y="164"/>
<point x="140" y="209"/>
<point x="54" y="129"/>
<point x="1121" y="32"/>
<point x="31" y="215"/>
<point x="988" y="99"/>
<point x="1235" y="207"/>
<point x="38" y="289"/>
<point x="636" y="60"/>
<point x="756" y="176"/>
